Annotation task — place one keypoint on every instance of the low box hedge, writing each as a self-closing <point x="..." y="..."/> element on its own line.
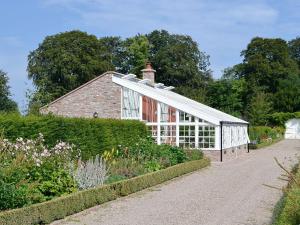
<point x="92" y="136"/>
<point x="61" y="207"/>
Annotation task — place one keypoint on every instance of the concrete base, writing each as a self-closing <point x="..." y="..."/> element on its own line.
<point x="228" y="154"/>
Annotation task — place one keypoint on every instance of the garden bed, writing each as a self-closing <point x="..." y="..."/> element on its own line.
<point x="263" y="136"/>
<point x="63" y="206"/>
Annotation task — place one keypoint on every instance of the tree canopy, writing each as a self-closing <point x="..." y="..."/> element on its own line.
<point x="266" y="81"/>
<point x="64" y="61"/>
<point x="6" y="103"/>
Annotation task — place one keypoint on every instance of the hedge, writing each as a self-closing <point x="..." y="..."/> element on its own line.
<point x="279" y="119"/>
<point x="92" y="136"/>
<point x="67" y="205"/>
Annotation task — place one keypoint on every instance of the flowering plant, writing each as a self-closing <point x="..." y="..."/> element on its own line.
<point x="36" y="150"/>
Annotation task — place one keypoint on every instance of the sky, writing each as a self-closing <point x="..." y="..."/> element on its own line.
<point x="222" y="28"/>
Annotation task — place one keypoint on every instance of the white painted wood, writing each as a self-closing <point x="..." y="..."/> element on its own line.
<point x="177" y="127"/>
<point x="158" y="123"/>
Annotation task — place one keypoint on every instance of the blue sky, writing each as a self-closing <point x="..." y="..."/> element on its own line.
<point x="222" y="28"/>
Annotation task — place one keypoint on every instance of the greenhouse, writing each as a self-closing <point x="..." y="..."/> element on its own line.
<point x="172" y="118"/>
<point x="176" y="120"/>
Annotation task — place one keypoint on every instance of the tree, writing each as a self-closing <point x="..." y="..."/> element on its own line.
<point x="178" y="60"/>
<point x="266" y="62"/>
<point x="260" y="107"/>
<point x="64" y="61"/>
<point x="287" y="98"/>
<point x="134" y="55"/>
<point x="227" y="95"/>
<point x="6" y="103"/>
<point x="294" y="49"/>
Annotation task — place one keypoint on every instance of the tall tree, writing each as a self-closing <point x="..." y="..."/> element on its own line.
<point x="6" y="103"/>
<point x="260" y="107"/>
<point x="134" y="54"/>
<point x="178" y="60"/>
<point x="64" y="61"/>
<point x="266" y="62"/>
<point x="294" y="48"/>
<point x="287" y="98"/>
<point x="227" y="95"/>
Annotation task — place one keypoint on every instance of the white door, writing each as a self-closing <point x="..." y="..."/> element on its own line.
<point x="292" y="129"/>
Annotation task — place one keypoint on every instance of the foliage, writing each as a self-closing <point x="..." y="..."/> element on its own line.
<point x="177" y="59"/>
<point x="263" y="134"/>
<point x="290" y="211"/>
<point x="294" y="49"/>
<point x="6" y="103"/>
<point x="259" y="108"/>
<point x="91" y="173"/>
<point x="145" y="156"/>
<point x="63" y="62"/>
<point x="91" y="136"/>
<point x="30" y="172"/>
<point x="135" y="54"/>
<point x="280" y="118"/>
<point x="60" y="207"/>
<point x="227" y="95"/>
<point x="271" y="77"/>
<point x="288" y="95"/>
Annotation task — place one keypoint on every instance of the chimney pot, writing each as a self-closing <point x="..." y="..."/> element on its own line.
<point x="149" y="72"/>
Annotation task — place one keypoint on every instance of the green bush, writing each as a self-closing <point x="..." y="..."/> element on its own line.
<point x="60" y="207"/>
<point x="262" y="133"/>
<point x="290" y="211"/>
<point x="92" y="136"/>
<point x="31" y="173"/>
<point x="279" y="119"/>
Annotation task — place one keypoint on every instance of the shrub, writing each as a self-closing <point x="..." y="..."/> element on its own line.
<point x="290" y="211"/>
<point x="92" y="136"/>
<point x="260" y="134"/>
<point x="30" y="172"/>
<point x="91" y="173"/>
<point x="280" y="118"/>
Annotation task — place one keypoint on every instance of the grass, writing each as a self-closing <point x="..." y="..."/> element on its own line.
<point x="287" y="210"/>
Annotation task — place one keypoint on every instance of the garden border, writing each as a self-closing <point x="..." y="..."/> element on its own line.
<point x="58" y="208"/>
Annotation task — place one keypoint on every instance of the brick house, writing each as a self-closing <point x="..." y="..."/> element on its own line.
<point x="171" y="118"/>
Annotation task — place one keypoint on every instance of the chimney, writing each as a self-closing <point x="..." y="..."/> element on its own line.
<point x="149" y="72"/>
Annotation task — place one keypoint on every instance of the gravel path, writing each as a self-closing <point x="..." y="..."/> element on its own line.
<point x="229" y="193"/>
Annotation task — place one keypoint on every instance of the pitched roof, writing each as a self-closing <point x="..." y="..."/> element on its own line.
<point x="163" y="94"/>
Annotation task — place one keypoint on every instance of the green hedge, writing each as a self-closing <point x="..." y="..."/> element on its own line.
<point x="63" y="206"/>
<point x="279" y="119"/>
<point x="92" y="136"/>
<point x="289" y="212"/>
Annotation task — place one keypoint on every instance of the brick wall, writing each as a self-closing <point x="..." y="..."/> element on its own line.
<point x="100" y="95"/>
<point x="228" y="154"/>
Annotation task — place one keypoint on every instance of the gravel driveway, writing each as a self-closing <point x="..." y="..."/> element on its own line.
<point x="229" y="193"/>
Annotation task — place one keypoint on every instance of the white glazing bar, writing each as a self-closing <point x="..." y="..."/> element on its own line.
<point x="177" y="127"/>
<point x="141" y="107"/>
<point x="196" y="132"/>
<point x="158" y="123"/>
<point x="217" y="138"/>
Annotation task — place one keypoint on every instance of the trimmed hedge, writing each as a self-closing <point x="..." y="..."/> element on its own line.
<point x="63" y="206"/>
<point x="92" y="136"/>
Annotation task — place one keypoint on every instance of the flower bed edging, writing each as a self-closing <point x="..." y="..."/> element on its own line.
<point x="61" y="207"/>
